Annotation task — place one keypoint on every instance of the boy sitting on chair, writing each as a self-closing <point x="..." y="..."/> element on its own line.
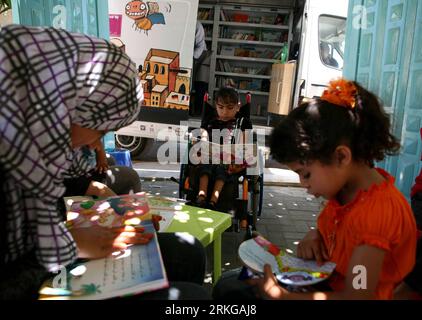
<point x="224" y="122"/>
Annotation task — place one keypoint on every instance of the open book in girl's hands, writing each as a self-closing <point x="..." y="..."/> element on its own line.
<point x="289" y="270"/>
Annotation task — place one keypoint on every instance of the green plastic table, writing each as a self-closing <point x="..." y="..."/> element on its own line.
<point x="205" y="225"/>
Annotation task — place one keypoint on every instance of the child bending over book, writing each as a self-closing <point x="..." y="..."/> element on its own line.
<point x="367" y="227"/>
<point x="223" y="123"/>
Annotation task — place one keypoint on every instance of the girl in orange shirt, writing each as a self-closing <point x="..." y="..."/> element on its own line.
<point x="367" y="227"/>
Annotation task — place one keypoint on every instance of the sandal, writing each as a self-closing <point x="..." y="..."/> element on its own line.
<point x="211" y="205"/>
<point x="243" y="224"/>
<point x="201" y="201"/>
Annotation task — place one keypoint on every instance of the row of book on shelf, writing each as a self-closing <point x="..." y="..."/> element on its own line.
<point x="252" y="84"/>
<point x="258" y="35"/>
<point x="225" y="66"/>
<point x="205" y="14"/>
<point x="279" y="19"/>
<point x="251" y="52"/>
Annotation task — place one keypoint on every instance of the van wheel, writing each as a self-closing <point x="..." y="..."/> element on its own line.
<point x="134" y="144"/>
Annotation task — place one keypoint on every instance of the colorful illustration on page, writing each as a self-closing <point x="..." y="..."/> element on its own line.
<point x="111" y="212"/>
<point x="294" y="269"/>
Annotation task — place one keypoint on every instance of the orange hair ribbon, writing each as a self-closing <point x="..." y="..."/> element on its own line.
<point x="341" y="92"/>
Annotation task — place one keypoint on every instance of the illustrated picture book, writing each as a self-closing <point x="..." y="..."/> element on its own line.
<point x="289" y="270"/>
<point x="137" y="269"/>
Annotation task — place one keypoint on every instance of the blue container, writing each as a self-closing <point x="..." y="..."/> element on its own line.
<point x="121" y="156"/>
<point x="109" y="141"/>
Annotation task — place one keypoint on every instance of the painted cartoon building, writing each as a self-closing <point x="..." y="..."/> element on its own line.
<point x="183" y="81"/>
<point x="158" y="95"/>
<point x="161" y="77"/>
<point x="148" y="82"/>
<point x="177" y="101"/>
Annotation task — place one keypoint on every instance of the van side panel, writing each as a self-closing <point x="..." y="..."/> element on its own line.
<point x="313" y="71"/>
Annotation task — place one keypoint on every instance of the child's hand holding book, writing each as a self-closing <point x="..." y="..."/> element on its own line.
<point x="312" y="247"/>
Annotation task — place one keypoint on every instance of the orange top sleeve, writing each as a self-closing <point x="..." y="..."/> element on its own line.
<point x="379" y="217"/>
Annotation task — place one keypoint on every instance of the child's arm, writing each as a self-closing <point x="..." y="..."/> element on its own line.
<point x="99" y="190"/>
<point x="102" y="165"/>
<point x="244" y="137"/>
<point x="361" y="279"/>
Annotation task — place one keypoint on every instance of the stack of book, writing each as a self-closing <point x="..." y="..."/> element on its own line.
<point x="244" y="36"/>
<point x="204" y="14"/>
<point x="224" y="66"/>
<point x="224" y="16"/>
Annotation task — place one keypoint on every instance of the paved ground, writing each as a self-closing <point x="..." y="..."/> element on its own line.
<point x="288" y="213"/>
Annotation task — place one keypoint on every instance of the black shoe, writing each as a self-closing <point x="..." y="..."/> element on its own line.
<point x="201" y="202"/>
<point x="211" y="205"/>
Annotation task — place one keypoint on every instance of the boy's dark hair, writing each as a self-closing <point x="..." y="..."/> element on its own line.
<point x="315" y="129"/>
<point x="227" y="95"/>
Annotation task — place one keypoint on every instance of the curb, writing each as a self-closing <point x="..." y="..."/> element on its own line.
<point x="268" y="184"/>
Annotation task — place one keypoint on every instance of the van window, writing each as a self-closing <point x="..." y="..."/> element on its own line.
<point x="332" y="31"/>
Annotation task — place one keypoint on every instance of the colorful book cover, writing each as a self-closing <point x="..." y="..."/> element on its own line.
<point x="290" y="270"/>
<point x="109" y="212"/>
<point x="137" y="269"/>
<point x="166" y="208"/>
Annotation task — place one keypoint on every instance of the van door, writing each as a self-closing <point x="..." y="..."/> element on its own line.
<point x="384" y="54"/>
<point x="323" y="46"/>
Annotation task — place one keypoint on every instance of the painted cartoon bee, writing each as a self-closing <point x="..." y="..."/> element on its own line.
<point x="145" y="14"/>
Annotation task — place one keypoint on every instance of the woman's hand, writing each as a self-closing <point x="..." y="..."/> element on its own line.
<point x="268" y="286"/>
<point x="99" y="242"/>
<point x="312" y="247"/>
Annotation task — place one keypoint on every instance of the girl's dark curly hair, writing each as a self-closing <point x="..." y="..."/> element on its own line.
<point x="314" y="130"/>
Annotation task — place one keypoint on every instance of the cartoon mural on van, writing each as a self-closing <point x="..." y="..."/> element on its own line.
<point x="145" y="14"/>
